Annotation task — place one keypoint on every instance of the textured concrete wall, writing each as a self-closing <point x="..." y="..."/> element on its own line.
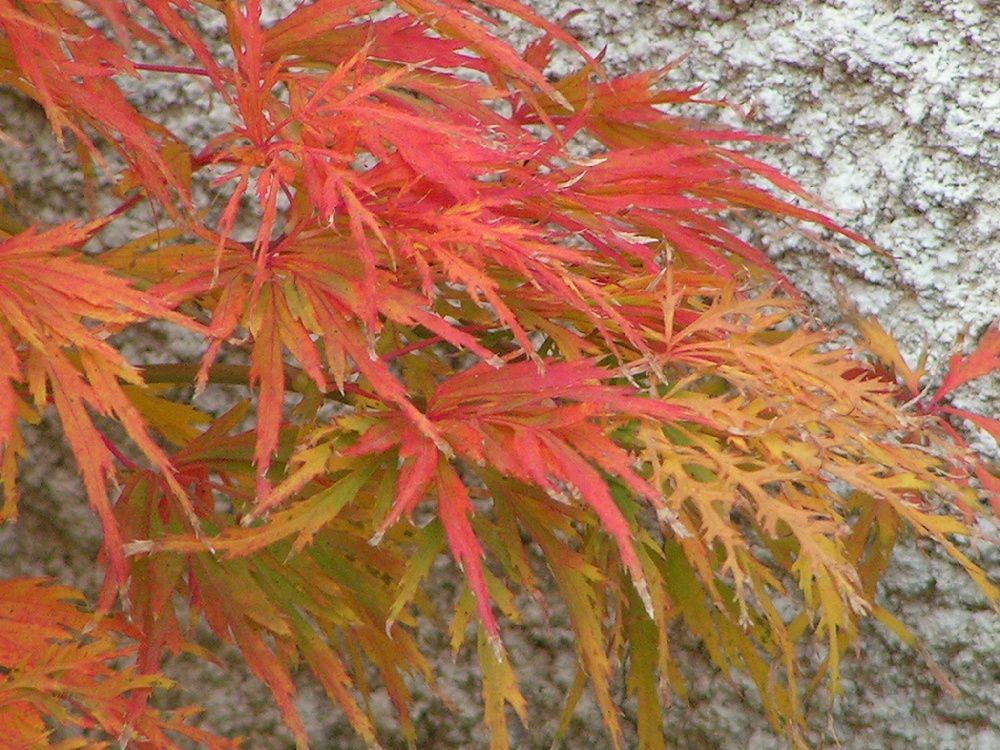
<point x="894" y="108"/>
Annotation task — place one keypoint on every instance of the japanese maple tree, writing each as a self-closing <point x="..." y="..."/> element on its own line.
<point x="453" y="306"/>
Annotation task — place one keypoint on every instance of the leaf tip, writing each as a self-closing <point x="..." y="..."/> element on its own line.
<point x="642" y="589"/>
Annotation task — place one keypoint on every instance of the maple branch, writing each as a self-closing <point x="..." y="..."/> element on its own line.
<point x="117" y="453"/>
<point x="222" y="374"/>
<point x="185" y="373"/>
<point x="430" y="341"/>
<point x="125" y="205"/>
<point x="179" y="69"/>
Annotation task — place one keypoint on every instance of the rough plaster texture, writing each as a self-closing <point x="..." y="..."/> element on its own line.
<point x="894" y="112"/>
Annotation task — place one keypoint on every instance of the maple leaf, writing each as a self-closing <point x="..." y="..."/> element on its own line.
<point x="67" y="66"/>
<point x="507" y="418"/>
<point x="267" y="597"/>
<point x="49" y="674"/>
<point x="982" y="361"/>
<point x="50" y="301"/>
<point x="575" y="357"/>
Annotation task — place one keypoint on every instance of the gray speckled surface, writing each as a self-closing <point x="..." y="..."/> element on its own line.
<point x="894" y="112"/>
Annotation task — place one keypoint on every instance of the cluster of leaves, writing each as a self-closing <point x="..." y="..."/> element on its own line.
<point x="564" y="363"/>
<point x="63" y="664"/>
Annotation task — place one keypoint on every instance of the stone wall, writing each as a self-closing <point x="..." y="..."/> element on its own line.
<point x="892" y="109"/>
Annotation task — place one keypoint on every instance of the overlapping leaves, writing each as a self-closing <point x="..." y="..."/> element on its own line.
<point x="56" y="311"/>
<point x="66" y="679"/>
<point x="566" y="368"/>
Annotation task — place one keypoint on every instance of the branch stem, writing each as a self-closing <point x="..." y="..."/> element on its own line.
<point x="185" y="373"/>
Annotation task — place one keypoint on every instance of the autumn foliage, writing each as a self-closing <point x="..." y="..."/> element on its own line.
<point x="452" y="306"/>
